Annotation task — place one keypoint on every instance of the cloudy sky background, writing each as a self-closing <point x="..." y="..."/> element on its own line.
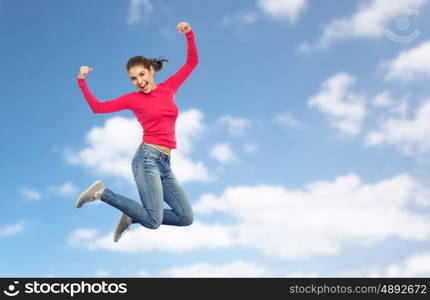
<point x="303" y="138"/>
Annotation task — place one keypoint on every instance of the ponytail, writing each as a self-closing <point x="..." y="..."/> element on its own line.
<point x="157" y="63"/>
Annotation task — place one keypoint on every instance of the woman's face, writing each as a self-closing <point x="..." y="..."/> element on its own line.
<point x="142" y="78"/>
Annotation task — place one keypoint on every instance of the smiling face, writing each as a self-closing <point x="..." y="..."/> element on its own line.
<point x="142" y="78"/>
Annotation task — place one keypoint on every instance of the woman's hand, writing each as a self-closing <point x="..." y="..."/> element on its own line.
<point x="183" y="27"/>
<point x="83" y="72"/>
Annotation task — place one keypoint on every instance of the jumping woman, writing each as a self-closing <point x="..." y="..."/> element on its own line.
<point x="155" y="109"/>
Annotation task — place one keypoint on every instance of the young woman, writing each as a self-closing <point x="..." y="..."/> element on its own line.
<point x="154" y="107"/>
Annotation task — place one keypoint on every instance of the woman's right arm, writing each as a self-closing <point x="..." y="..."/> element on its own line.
<point x="98" y="107"/>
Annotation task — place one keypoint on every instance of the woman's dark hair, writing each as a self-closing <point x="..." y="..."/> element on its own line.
<point x="156" y="63"/>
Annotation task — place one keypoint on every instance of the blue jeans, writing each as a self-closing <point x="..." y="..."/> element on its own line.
<point x="155" y="182"/>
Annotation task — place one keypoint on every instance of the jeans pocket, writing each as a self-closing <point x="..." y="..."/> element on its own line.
<point x="149" y="155"/>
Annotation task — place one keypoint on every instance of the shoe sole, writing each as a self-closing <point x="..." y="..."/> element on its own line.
<point x="115" y="236"/>
<point x="89" y="193"/>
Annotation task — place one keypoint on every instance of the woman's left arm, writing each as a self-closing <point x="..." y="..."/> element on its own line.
<point x="176" y="80"/>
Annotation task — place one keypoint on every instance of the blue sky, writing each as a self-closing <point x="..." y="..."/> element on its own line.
<point x="303" y="138"/>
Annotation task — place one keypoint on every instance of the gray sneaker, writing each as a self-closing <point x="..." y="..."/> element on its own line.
<point x="124" y="224"/>
<point x="89" y="194"/>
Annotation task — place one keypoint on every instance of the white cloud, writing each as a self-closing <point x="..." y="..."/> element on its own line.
<point x="287" y="119"/>
<point x="383" y="99"/>
<point x="233" y="269"/>
<point x="321" y="218"/>
<point x="223" y="153"/>
<point x="187" y="170"/>
<point x="111" y="148"/>
<point x="371" y="20"/>
<point x="410" y="64"/>
<point x="81" y="234"/>
<point x="66" y="189"/>
<point x="402" y="108"/>
<point x="189" y="127"/>
<point x="13" y="229"/>
<point x="276" y="9"/>
<point x="412" y="136"/>
<point x="167" y="238"/>
<point x="290" y="9"/>
<point x="30" y="194"/>
<point x="416" y="265"/>
<point x="236" y="125"/>
<point x="137" y="8"/>
<point x="344" y="108"/>
<point x="391" y="106"/>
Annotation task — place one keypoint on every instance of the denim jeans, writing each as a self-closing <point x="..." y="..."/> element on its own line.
<point x="155" y="183"/>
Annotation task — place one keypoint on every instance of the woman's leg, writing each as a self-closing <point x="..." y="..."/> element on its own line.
<point x="181" y="213"/>
<point x="154" y="186"/>
<point x="147" y="177"/>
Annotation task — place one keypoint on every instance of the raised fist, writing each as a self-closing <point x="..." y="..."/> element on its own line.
<point x="83" y="71"/>
<point x="183" y="27"/>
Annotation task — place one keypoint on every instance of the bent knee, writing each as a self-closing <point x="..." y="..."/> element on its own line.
<point x="154" y="224"/>
<point x="187" y="220"/>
